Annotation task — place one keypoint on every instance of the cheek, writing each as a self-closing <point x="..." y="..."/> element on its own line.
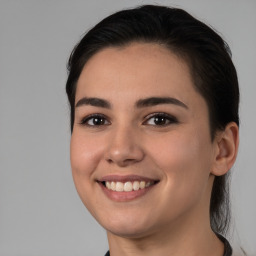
<point x="185" y="162"/>
<point x="185" y="159"/>
<point x="85" y="154"/>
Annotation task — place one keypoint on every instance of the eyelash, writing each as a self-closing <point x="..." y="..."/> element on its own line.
<point x="93" y="117"/>
<point x="163" y="118"/>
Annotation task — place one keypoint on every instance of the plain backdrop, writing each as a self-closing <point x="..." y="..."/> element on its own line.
<point x="40" y="211"/>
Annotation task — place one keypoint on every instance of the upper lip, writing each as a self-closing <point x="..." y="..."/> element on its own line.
<point x="125" y="178"/>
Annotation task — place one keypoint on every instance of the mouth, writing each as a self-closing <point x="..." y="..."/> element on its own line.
<point x="127" y="186"/>
<point x="119" y="188"/>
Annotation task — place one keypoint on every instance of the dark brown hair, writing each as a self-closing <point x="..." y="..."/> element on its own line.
<point x="206" y="53"/>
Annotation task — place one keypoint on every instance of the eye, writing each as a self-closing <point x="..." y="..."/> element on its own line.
<point x="160" y="119"/>
<point x="95" y="120"/>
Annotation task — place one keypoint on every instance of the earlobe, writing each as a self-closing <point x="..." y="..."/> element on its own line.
<point x="226" y="149"/>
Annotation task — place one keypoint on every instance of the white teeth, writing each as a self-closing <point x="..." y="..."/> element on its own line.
<point x="136" y="185"/>
<point x="119" y="186"/>
<point x="127" y="186"/>
<point x="108" y="185"/>
<point x="113" y="186"/>
<point x="142" y="184"/>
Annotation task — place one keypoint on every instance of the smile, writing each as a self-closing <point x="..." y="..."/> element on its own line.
<point x="127" y="186"/>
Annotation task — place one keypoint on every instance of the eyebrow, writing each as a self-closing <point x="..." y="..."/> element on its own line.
<point x="147" y="102"/>
<point x="95" y="102"/>
<point x="153" y="101"/>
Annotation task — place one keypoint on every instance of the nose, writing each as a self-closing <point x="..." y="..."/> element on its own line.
<point x="125" y="147"/>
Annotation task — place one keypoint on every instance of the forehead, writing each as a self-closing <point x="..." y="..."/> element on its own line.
<point x="145" y="68"/>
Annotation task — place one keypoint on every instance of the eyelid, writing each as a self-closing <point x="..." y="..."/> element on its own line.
<point x="85" y="119"/>
<point x="170" y="117"/>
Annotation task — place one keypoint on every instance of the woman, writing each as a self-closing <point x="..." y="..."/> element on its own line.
<point x="154" y="119"/>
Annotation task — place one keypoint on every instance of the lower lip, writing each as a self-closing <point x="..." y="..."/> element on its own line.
<point x="125" y="196"/>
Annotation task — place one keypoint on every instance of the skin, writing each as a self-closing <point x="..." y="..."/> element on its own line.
<point x="172" y="218"/>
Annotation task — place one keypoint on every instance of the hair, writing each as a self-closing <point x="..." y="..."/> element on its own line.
<point x="206" y="53"/>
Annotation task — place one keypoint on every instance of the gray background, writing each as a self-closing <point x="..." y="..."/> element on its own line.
<point x="40" y="212"/>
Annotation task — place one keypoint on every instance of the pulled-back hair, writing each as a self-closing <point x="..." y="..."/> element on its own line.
<point x="206" y="53"/>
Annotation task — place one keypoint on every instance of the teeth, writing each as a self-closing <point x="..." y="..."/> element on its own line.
<point x="147" y="184"/>
<point x="136" y="185"/>
<point x="127" y="186"/>
<point x="108" y="185"/>
<point x="113" y="186"/>
<point x="119" y="186"/>
<point x="142" y="184"/>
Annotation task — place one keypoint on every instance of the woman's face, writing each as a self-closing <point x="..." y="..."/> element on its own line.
<point x="141" y="151"/>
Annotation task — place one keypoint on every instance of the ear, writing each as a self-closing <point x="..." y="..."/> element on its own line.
<point x="226" y="145"/>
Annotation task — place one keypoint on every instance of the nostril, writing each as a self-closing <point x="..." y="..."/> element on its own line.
<point x="123" y="152"/>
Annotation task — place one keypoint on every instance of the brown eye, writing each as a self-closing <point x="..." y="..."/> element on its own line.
<point x="160" y="119"/>
<point x="95" y="120"/>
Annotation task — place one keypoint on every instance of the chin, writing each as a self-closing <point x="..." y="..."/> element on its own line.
<point x="129" y="232"/>
<point x="126" y="226"/>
